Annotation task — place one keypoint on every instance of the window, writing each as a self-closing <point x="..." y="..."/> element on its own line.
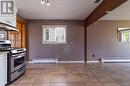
<point x="124" y="34"/>
<point x="54" y="34"/>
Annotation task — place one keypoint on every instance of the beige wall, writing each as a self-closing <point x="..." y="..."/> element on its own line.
<point x="102" y="40"/>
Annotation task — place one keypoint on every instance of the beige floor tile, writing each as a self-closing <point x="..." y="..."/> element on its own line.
<point x="58" y="84"/>
<point x="74" y="78"/>
<point x="93" y="84"/>
<point x="41" y="84"/>
<point x="60" y="71"/>
<point x="11" y="85"/>
<point x="33" y="71"/>
<point x="106" y="80"/>
<point x="23" y="85"/>
<point x="46" y="71"/>
<point x="59" y="78"/>
<point x="75" y="75"/>
<point x="89" y="79"/>
<point x="43" y="78"/>
<point x="111" y="84"/>
<point x="76" y="84"/>
<point x="26" y="81"/>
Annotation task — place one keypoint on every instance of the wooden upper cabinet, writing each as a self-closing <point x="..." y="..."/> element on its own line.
<point x="18" y="37"/>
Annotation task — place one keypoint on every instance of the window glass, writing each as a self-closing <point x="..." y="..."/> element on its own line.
<point x="54" y="34"/>
<point x="124" y="34"/>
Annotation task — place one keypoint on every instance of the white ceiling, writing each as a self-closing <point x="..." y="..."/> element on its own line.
<point x="120" y="13"/>
<point x="59" y="9"/>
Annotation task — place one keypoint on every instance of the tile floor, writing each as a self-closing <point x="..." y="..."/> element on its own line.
<point x="108" y="74"/>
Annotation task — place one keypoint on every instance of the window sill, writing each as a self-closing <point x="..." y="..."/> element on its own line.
<point x="54" y="43"/>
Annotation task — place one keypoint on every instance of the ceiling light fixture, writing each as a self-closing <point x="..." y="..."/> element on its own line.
<point x="46" y="2"/>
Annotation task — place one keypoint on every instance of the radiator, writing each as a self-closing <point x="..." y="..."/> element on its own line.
<point x="39" y="60"/>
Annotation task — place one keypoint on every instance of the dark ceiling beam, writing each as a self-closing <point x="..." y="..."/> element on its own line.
<point x="103" y="9"/>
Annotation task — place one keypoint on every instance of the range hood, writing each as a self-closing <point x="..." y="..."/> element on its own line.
<point x="7" y="27"/>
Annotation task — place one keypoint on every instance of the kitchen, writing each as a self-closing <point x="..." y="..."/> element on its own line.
<point x="12" y="43"/>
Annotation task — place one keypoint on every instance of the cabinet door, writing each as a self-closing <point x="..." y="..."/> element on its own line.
<point x="3" y="69"/>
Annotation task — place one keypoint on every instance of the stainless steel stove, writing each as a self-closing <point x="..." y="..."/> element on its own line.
<point x="16" y="63"/>
<point x="16" y="60"/>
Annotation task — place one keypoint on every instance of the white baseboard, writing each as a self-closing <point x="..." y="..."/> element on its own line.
<point x="70" y="62"/>
<point x="44" y="60"/>
<point x="115" y="60"/>
<point x="32" y="62"/>
<point x="40" y="61"/>
<point x="93" y="61"/>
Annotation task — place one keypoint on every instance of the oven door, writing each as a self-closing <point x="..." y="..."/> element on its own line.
<point x="17" y="61"/>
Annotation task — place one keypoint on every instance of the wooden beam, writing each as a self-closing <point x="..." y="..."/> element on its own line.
<point x="101" y="10"/>
<point x="85" y="43"/>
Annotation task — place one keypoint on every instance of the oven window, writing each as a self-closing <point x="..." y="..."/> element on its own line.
<point x="19" y="61"/>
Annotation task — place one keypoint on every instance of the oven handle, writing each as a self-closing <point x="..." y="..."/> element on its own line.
<point x="16" y="57"/>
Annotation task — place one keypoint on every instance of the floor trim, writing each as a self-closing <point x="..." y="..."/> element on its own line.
<point x="32" y="62"/>
<point x="93" y="61"/>
<point x="114" y="61"/>
<point x="70" y="62"/>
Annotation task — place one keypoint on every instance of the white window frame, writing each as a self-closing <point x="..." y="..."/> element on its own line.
<point x="45" y="27"/>
<point x="121" y="34"/>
